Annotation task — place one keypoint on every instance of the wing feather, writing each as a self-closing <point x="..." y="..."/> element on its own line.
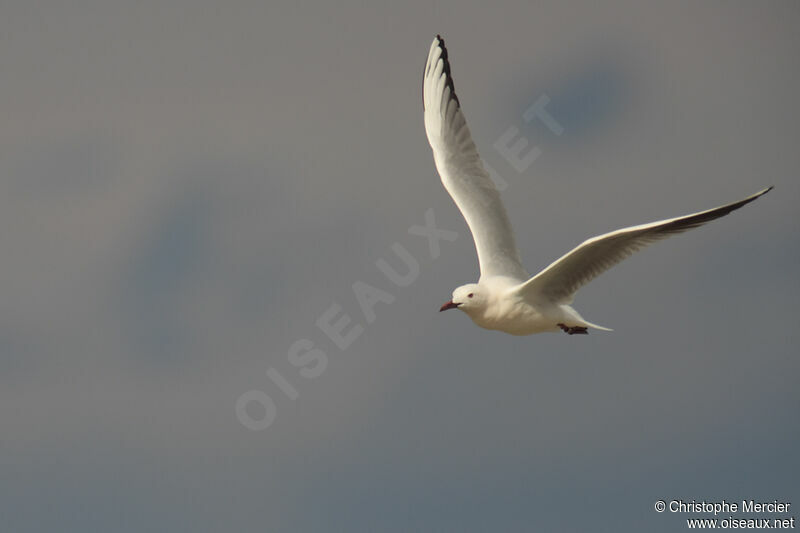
<point x="559" y="282"/>
<point x="462" y="171"/>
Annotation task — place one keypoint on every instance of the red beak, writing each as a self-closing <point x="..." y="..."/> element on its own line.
<point x="448" y="305"/>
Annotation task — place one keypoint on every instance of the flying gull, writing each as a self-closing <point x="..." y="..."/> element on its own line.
<point x="506" y="297"/>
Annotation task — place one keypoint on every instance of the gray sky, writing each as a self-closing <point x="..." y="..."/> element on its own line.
<point x="186" y="187"/>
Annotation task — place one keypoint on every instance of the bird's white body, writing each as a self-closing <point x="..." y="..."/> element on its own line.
<point x="509" y="311"/>
<point x="506" y="297"/>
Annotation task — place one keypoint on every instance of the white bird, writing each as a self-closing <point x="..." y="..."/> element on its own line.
<point x="506" y="298"/>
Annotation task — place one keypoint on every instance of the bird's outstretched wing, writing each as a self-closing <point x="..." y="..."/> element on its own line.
<point x="558" y="282"/>
<point x="462" y="172"/>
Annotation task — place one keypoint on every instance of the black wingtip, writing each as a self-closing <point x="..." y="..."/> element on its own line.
<point x="698" y="219"/>
<point x="761" y="193"/>
<point x="446" y="70"/>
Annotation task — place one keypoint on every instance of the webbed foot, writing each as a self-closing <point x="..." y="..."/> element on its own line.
<point x="574" y="330"/>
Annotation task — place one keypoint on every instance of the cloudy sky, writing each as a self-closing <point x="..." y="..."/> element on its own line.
<point x="186" y="188"/>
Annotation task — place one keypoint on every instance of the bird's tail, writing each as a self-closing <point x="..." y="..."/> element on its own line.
<point x="580" y="321"/>
<point x="595" y="326"/>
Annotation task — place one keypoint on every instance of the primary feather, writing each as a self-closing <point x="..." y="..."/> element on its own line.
<point x="559" y="281"/>
<point x="462" y="172"/>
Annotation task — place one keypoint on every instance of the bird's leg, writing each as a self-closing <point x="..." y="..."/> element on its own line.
<point x="574" y="330"/>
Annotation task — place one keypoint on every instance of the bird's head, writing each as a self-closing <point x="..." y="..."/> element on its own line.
<point x="467" y="298"/>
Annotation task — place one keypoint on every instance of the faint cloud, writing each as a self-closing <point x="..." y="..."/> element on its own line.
<point x="591" y="99"/>
<point x="164" y="272"/>
<point x="589" y="92"/>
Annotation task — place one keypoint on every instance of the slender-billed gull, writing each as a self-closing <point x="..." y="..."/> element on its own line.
<point x="506" y="298"/>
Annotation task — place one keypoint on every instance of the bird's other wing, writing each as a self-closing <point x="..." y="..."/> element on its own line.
<point x="462" y="172"/>
<point x="558" y="282"/>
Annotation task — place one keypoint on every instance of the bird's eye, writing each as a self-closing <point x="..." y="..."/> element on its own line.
<point x="470" y="295"/>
